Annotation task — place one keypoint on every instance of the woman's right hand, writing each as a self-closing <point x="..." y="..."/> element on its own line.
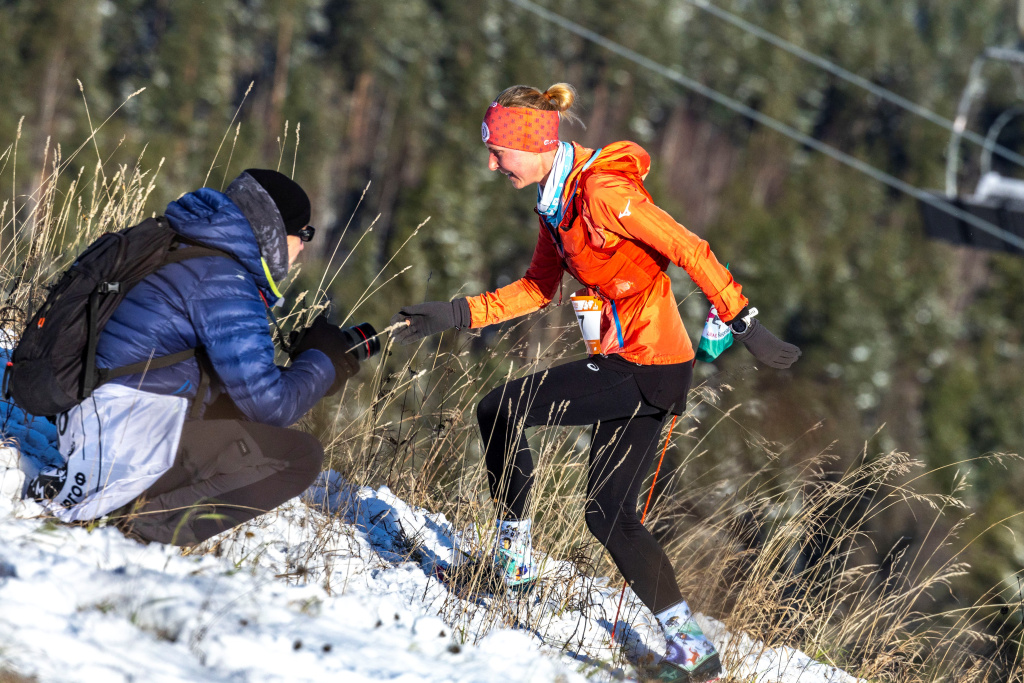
<point x="429" y="318"/>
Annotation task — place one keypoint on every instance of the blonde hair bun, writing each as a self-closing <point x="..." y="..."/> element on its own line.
<point x="562" y="95"/>
<point x="559" y="97"/>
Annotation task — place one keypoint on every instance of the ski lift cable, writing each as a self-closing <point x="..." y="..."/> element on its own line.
<point x="860" y="81"/>
<point x="774" y="124"/>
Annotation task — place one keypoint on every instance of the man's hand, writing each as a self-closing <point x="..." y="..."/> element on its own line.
<point x="328" y="338"/>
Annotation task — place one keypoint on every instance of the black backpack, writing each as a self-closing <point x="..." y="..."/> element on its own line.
<point x="53" y="367"/>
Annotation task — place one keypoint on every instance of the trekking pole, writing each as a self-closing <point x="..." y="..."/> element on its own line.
<point x="668" y="437"/>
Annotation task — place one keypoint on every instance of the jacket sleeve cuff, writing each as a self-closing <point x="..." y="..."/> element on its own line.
<point x="463" y="318"/>
<point x="739" y="315"/>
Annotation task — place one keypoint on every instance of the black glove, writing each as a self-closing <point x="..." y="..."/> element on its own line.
<point x="761" y="343"/>
<point x="326" y="337"/>
<point x="430" y="318"/>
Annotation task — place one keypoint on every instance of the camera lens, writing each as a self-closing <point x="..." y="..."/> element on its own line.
<point x="364" y="340"/>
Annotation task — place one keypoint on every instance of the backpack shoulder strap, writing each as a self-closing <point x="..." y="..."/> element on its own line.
<point x="194" y="250"/>
<point x="574" y="199"/>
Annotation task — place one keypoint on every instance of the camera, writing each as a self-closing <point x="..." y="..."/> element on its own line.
<point x="361" y="341"/>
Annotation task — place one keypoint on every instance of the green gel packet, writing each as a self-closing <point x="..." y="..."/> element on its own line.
<point x="715" y="339"/>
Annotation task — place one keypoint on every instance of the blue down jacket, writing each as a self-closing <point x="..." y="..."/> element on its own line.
<point x="213" y="303"/>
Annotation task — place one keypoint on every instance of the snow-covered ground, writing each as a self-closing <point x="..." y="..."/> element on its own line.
<point x="340" y="586"/>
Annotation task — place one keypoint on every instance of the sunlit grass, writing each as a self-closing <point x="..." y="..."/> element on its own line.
<point x="773" y="551"/>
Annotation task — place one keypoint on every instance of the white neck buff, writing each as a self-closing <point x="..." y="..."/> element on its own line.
<point x="549" y="195"/>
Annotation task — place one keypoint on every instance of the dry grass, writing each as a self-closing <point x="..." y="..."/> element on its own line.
<point x="774" y="552"/>
<point x="8" y="676"/>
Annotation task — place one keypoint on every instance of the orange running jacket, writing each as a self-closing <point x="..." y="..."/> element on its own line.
<point x="614" y="240"/>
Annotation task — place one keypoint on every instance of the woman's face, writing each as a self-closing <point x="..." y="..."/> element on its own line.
<point x="521" y="168"/>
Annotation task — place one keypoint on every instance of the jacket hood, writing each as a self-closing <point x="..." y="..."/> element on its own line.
<point x="617" y="157"/>
<point x="266" y="221"/>
<point x="211" y="218"/>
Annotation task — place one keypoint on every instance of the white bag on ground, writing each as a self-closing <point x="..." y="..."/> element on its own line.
<point x="115" y="444"/>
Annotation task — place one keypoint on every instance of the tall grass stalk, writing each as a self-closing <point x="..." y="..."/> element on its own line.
<point x="776" y="552"/>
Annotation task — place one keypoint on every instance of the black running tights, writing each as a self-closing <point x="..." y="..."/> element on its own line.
<point x="624" y="445"/>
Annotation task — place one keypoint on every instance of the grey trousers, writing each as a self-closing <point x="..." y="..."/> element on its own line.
<point x="226" y="472"/>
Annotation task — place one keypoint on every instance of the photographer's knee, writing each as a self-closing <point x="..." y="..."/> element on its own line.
<point x="309" y="454"/>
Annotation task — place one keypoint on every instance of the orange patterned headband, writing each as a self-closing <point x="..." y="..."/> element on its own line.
<point x="529" y="130"/>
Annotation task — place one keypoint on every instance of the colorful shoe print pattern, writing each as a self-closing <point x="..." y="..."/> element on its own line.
<point x="514" y="554"/>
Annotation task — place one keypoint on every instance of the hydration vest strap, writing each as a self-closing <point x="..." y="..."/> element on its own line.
<point x="618" y="325"/>
<point x="591" y="160"/>
<point x="575" y="186"/>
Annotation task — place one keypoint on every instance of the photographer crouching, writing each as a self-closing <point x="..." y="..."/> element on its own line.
<point x="180" y="450"/>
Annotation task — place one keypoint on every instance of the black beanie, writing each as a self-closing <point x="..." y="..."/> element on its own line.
<point x="291" y="200"/>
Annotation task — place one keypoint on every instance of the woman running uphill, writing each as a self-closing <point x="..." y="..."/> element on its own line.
<point x="598" y="223"/>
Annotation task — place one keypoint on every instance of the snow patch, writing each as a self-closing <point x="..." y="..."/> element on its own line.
<point x="341" y="583"/>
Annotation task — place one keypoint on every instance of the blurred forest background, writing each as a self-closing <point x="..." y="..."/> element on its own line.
<point x="908" y="344"/>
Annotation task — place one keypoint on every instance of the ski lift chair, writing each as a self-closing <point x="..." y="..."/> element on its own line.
<point x="997" y="199"/>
